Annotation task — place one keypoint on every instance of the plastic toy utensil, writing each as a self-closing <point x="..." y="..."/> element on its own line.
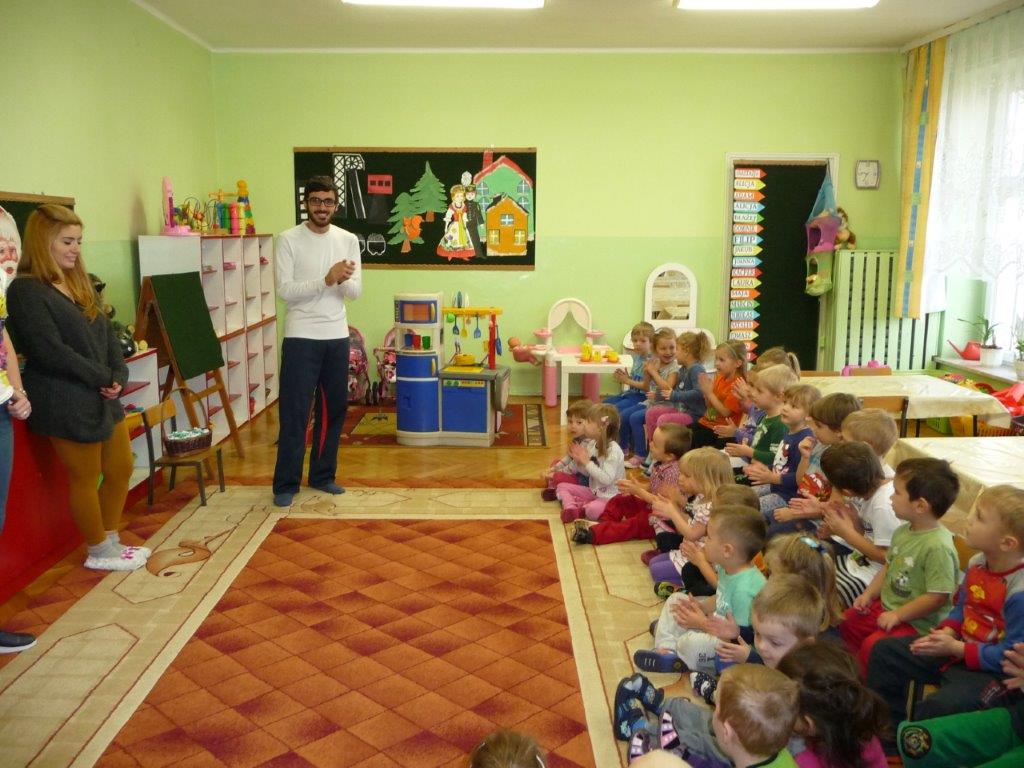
<point x="497" y="340"/>
<point x="477" y="334"/>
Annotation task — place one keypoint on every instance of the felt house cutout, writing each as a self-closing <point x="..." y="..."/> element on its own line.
<point x="507" y="226"/>
<point x="503" y="177"/>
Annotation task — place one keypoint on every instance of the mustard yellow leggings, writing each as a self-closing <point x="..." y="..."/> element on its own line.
<point x="97" y="511"/>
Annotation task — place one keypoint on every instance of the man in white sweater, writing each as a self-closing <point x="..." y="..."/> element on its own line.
<point x="317" y="269"/>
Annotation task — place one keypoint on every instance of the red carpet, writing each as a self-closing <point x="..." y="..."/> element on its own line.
<point x="372" y="643"/>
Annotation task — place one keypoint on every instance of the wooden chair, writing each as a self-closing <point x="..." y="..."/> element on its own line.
<point x="885" y="371"/>
<point x="152" y="419"/>
<point x="819" y="373"/>
<point x="895" y="404"/>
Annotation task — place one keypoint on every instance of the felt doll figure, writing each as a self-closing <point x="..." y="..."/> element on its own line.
<point x="455" y="243"/>
<point x="474" y="219"/>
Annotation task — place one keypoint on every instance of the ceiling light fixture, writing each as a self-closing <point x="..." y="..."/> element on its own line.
<point x="513" y="4"/>
<point x="774" y="5"/>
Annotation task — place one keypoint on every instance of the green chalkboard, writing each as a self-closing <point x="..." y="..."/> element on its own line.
<point x="186" y="320"/>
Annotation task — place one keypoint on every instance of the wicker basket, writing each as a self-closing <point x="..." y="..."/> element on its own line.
<point x="185" y="446"/>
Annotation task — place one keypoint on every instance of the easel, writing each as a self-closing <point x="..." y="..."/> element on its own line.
<point x="149" y="325"/>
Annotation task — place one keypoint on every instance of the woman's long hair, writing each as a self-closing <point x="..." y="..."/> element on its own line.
<point x="43" y="227"/>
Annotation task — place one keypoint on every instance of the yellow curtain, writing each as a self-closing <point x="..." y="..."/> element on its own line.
<point x="921" y="99"/>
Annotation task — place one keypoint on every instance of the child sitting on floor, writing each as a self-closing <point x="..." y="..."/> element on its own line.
<point x="813" y="488"/>
<point x="863" y="528"/>
<point x="769" y="394"/>
<point x="564" y="470"/>
<point x="701" y="472"/>
<point x="965" y="653"/>
<point x="682" y="638"/>
<point x="627" y="515"/>
<point x="635" y="380"/>
<point x="684" y="403"/>
<point x="840" y="718"/>
<point x="661" y="371"/>
<point x="600" y="459"/>
<point x="776" y="484"/>
<point x="507" y="749"/>
<point x="911" y="593"/>
<point x="723" y="406"/>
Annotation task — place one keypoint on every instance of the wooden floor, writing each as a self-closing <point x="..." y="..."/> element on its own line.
<point x="400" y="466"/>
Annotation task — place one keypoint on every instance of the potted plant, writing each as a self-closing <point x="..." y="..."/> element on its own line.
<point x="1018" y="343"/>
<point x="991" y="353"/>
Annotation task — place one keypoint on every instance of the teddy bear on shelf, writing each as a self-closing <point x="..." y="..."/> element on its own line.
<point x="845" y="239"/>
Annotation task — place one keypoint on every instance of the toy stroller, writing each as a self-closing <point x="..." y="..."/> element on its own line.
<point x="384" y="389"/>
<point x="359" y="388"/>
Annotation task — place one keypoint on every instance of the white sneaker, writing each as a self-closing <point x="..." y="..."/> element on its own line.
<point x="129" y="560"/>
<point x="143" y="552"/>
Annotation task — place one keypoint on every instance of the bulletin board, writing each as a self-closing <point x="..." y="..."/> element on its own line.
<point x="431" y="208"/>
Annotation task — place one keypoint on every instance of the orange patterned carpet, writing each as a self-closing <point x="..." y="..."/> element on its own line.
<point x="372" y="643"/>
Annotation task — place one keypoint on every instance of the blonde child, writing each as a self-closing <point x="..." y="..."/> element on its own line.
<point x="776" y="483"/>
<point x="600" y="459"/>
<point x="641" y="337"/>
<point x="683" y="637"/>
<point x="563" y="470"/>
<point x="754" y="716"/>
<point x="863" y="528"/>
<point x="769" y="394"/>
<point x="684" y="402"/>
<point x="813" y="488"/>
<point x="701" y="472"/>
<point x="876" y="428"/>
<point x="507" y="749"/>
<point x="911" y="593"/>
<point x="840" y="718"/>
<point x="723" y="405"/>
<point x="627" y="515"/>
<point x="752" y="415"/>
<point x="699" y="577"/>
<point x="661" y="372"/>
<point x="967" y="652"/>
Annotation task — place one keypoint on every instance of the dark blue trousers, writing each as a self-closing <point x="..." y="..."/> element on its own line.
<point x="308" y="367"/>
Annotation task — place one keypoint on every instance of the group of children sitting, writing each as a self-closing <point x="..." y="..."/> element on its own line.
<point x="809" y="587"/>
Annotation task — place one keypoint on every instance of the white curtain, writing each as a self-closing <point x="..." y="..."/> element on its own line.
<point x="976" y="222"/>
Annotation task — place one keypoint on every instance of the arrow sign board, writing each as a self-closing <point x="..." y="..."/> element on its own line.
<point x="746" y="250"/>
<point x="746" y="272"/>
<point x="747" y="229"/>
<point x="746" y="261"/>
<point x="752" y="184"/>
<point x="745" y="218"/>
<point x="742" y="304"/>
<point x="748" y="240"/>
<point x="747" y="194"/>
<point x="743" y="335"/>
<point x="748" y="173"/>
<point x="744" y="325"/>
<point x="744" y="282"/>
<point x="744" y="294"/>
<point x="743" y="207"/>
<point x="743" y="314"/>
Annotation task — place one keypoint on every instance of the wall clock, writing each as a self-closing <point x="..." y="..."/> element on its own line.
<point x="867" y="174"/>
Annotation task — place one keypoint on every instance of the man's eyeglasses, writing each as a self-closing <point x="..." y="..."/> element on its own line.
<point x="321" y="202"/>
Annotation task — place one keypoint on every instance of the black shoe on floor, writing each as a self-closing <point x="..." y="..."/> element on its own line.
<point x="15" y="642"/>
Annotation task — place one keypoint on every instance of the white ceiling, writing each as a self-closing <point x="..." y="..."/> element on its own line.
<point x="561" y="24"/>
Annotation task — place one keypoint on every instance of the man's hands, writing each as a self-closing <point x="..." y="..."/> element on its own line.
<point x="340" y="272"/>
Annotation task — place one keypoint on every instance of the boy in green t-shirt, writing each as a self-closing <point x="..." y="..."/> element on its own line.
<point x="912" y="593"/>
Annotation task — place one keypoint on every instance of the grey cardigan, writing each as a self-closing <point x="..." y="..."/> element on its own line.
<point x="68" y="360"/>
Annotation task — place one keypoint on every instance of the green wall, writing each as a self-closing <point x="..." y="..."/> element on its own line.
<point x="631" y="168"/>
<point x="102" y="101"/>
<point x="631" y="147"/>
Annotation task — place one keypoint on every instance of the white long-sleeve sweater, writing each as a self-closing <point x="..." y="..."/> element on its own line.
<point x="605" y="471"/>
<point x="302" y="259"/>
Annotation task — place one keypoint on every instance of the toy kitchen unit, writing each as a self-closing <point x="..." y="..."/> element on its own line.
<point x="442" y="400"/>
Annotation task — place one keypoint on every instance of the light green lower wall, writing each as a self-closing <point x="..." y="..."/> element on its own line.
<point x="631" y="164"/>
<point x="103" y="100"/>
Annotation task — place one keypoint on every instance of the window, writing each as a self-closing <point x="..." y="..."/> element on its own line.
<point x="482" y="190"/>
<point x="492" y="236"/>
<point x="524" y="203"/>
<point x="506" y="220"/>
<point x="520" y="237"/>
<point x="523" y="188"/>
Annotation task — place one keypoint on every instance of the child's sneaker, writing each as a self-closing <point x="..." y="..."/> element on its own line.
<point x="641" y="688"/>
<point x="665" y="588"/>
<point x="629" y="718"/>
<point x="569" y="515"/>
<point x="130" y="559"/>
<point x="581" y="533"/>
<point x="656" y="661"/>
<point x="548" y="494"/>
<point x="704" y="685"/>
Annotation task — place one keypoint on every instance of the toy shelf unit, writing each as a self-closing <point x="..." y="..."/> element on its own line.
<point x="439" y="404"/>
<point x="140" y="392"/>
<point x="237" y="275"/>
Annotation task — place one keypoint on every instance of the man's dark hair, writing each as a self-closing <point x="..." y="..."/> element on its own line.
<point x="321" y="184"/>
<point x="932" y="480"/>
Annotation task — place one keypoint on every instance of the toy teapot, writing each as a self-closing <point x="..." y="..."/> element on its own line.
<point x="971" y="350"/>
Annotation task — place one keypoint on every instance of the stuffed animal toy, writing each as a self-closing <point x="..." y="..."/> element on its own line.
<point x="844" y="236"/>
